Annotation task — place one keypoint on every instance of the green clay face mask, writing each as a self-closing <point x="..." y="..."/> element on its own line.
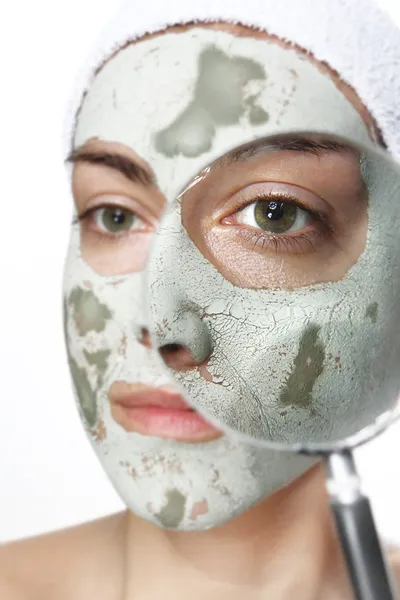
<point x="180" y="101"/>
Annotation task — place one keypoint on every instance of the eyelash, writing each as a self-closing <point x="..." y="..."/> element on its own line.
<point x="87" y="213"/>
<point x="280" y="242"/>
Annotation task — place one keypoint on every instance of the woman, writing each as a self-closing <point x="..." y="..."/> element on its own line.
<point x="207" y="515"/>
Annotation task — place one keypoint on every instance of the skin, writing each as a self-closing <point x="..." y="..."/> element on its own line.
<point x="282" y="547"/>
<point x="96" y="185"/>
<point x="227" y="235"/>
<point x="244" y="556"/>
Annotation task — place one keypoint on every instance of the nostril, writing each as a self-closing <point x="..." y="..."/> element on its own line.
<point x="174" y="348"/>
<point x="144" y="337"/>
<point x="177" y="356"/>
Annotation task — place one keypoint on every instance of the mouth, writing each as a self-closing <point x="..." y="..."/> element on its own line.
<point x="158" y="412"/>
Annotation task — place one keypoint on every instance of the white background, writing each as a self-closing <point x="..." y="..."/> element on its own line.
<point x="49" y="475"/>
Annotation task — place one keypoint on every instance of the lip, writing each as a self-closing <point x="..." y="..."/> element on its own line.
<point x="158" y="412"/>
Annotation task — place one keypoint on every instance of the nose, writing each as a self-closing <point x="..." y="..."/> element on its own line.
<point x="185" y="342"/>
<point x="180" y="355"/>
<point x="182" y="337"/>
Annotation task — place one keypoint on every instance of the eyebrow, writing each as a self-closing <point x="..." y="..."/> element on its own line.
<point x="113" y="160"/>
<point x="293" y="144"/>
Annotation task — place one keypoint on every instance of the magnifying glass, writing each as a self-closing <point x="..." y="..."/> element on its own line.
<point x="277" y="270"/>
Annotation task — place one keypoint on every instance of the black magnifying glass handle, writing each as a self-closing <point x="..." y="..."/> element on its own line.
<point x="355" y="525"/>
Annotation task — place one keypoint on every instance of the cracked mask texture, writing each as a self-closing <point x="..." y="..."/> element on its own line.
<point x="173" y="484"/>
<point x="292" y="366"/>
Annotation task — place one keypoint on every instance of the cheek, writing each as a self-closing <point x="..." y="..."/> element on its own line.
<point x="85" y="318"/>
<point x="88" y="312"/>
<point x="242" y="266"/>
<point x="245" y="265"/>
<point x="120" y="256"/>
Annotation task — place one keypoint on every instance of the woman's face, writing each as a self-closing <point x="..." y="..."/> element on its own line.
<point x="264" y="218"/>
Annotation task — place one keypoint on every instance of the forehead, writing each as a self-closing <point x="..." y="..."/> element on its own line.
<point x="192" y="95"/>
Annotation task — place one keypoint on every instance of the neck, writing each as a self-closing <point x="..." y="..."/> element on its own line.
<point x="280" y="547"/>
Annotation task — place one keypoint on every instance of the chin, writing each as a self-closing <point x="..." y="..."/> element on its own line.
<point x="192" y="487"/>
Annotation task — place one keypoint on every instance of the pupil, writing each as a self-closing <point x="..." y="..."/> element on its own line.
<point x="118" y="217"/>
<point x="275" y="210"/>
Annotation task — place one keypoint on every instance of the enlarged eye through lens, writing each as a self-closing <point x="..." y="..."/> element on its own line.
<point x="274" y="216"/>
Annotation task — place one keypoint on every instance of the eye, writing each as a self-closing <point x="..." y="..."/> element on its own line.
<point x="274" y="216"/>
<point x="113" y="219"/>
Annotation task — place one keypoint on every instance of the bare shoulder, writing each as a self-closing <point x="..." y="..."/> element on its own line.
<point x="394" y="564"/>
<point x="65" y="564"/>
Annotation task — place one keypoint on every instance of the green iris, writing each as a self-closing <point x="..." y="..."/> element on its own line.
<point x="275" y="217"/>
<point x="116" y="220"/>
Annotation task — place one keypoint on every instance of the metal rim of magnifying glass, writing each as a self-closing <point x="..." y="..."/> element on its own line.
<point x="381" y="423"/>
